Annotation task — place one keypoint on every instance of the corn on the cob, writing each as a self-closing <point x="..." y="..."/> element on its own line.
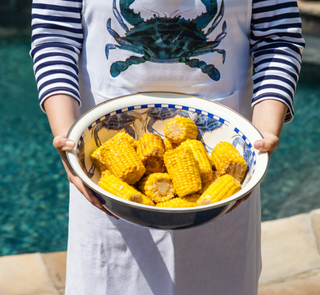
<point x="202" y="158"/>
<point x="122" y="159"/>
<point x="180" y="129"/>
<point x="119" y="188"/>
<point x="124" y="135"/>
<point x="150" y="150"/>
<point x="157" y="186"/>
<point x="177" y="203"/>
<point x="98" y="157"/>
<point x="227" y="160"/>
<point x="224" y="187"/>
<point x="168" y="144"/>
<point x="183" y="170"/>
<point x="99" y="160"/>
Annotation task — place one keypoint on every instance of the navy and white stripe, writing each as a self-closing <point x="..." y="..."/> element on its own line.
<point x="276" y="45"/>
<point x="56" y="43"/>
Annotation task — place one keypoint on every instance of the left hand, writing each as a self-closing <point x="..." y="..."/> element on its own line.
<point x="268" y="144"/>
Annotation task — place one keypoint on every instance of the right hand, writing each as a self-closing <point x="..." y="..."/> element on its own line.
<point x="62" y="144"/>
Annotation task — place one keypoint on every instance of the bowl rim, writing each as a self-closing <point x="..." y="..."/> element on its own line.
<point x="74" y="164"/>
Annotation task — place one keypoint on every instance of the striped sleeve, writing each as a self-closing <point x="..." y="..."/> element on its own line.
<point x="276" y="46"/>
<point x="56" y="43"/>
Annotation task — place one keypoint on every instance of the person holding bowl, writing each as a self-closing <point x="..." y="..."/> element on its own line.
<point x="243" y="54"/>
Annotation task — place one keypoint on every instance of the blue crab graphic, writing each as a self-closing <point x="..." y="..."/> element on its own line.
<point x="117" y="122"/>
<point x="166" y="39"/>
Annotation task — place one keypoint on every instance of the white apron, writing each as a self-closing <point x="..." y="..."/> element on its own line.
<point x="106" y="256"/>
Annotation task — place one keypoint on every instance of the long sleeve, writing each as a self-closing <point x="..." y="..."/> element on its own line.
<point x="56" y="43"/>
<point x="276" y="45"/>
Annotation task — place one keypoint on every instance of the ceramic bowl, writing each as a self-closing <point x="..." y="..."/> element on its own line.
<point x="148" y="113"/>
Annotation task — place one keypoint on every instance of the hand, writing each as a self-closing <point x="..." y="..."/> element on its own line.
<point x="62" y="144"/>
<point x="268" y="144"/>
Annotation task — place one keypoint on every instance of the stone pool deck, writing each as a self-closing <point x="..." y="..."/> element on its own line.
<point x="290" y="254"/>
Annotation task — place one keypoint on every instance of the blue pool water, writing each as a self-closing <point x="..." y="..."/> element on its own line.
<point x="33" y="185"/>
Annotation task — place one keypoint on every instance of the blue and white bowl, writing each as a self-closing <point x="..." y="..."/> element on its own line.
<point x="148" y="113"/>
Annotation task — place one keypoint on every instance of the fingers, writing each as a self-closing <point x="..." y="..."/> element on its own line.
<point x="61" y="143"/>
<point x="265" y="146"/>
<point x="269" y="143"/>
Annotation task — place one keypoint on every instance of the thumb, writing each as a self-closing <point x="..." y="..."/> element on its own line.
<point x="264" y="145"/>
<point x="61" y="143"/>
<point x="269" y="143"/>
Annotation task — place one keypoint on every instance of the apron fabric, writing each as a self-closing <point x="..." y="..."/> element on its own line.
<point x="108" y="256"/>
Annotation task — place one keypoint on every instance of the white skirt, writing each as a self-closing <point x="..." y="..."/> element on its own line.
<point x="114" y="257"/>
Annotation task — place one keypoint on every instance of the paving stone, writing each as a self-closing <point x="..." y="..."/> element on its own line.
<point x="315" y="217"/>
<point x="25" y="274"/>
<point x="299" y="286"/>
<point x="56" y="266"/>
<point x="288" y="248"/>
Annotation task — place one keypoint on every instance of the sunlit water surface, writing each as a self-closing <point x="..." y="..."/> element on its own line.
<point x="33" y="184"/>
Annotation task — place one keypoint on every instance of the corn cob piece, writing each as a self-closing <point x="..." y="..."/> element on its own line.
<point x="168" y="144"/>
<point x="177" y="203"/>
<point x="180" y="129"/>
<point x="183" y="170"/>
<point x="157" y="186"/>
<point x="227" y="160"/>
<point x="99" y="159"/>
<point x="123" y="161"/>
<point x="202" y="158"/>
<point x="224" y="187"/>
<point x="150" y="150"/>
<point x="119" y="188"/>
<point x="124" y="135"/>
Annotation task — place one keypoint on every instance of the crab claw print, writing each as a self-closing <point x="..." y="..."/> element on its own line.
<point x="166" y="39"/>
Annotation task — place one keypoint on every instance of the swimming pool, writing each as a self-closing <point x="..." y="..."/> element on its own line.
<point x="33" y="185"/>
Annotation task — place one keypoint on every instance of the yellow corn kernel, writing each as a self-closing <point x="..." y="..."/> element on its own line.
<point x="157" y="186"/>
<point x="202" y="158"/>
<point x="150" y="150"/>
<point x="227" y="160"/>
<point x="224" y="187"/>
<point x="168" y="144"/>
<point x="181" y="129"/>
<point x="183" y="170"/>
<point x="119" y="188"/>
<point x="123" y="161"/>
<point x="177" y="203"/>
